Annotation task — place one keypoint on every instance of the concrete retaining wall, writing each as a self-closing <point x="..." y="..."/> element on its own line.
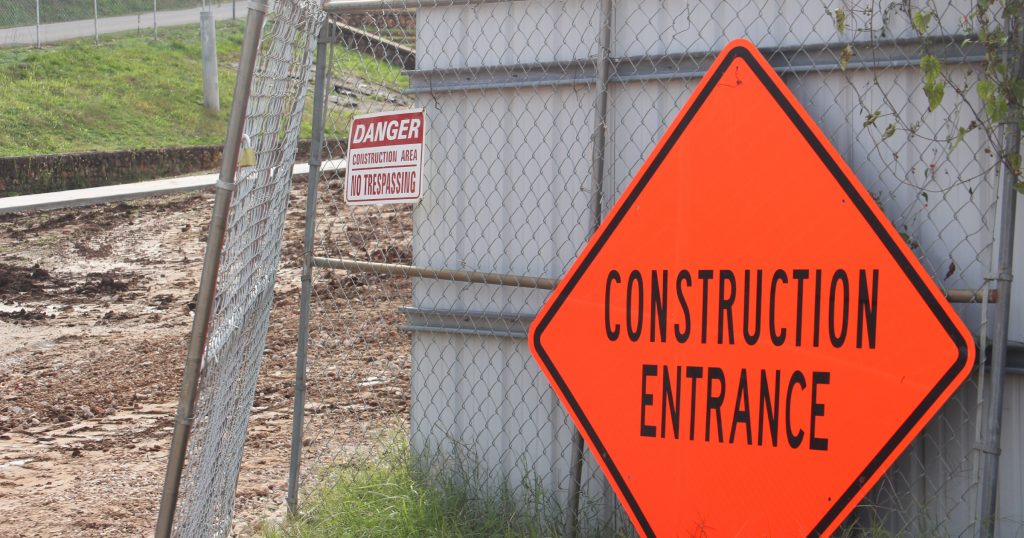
<point x="48" y="173"/>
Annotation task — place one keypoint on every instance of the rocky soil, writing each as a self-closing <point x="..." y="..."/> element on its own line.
<point x="95" y="313"/>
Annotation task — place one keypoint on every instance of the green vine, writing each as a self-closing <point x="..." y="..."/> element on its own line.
<point x="998" y="84"/>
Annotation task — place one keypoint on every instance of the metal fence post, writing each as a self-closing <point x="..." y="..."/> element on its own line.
<point x="316" y="145"/>
<point x="38" y="43"/>
<point x="208" y="37"/>
<point x="96" y="20"/>
<point x="596" y="194"/>
<point x="989" y="473"/>
<point x="154" y="19"/>
<point x="211" y="265"/>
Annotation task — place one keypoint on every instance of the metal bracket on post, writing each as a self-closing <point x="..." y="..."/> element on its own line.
<point x="316" y="147"/>
<point x="1000" y="277"/>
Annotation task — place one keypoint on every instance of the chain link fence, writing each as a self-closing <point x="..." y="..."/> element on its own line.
<point x="25" y="22"/>
<point x="410" y="369"/>
<point x="248" y="221"/>
<point x="414" y="373"/>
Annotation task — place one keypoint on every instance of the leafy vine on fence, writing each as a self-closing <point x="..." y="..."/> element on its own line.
<point x="994" y="26"/>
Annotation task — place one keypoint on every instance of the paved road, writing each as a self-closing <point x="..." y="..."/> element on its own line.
<point x="60" y="31"/>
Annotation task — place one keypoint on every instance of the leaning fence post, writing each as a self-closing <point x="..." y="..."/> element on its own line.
<point x="989" y="472"/>
<point x="596" y="194"/>
<point x="211" y="265"/>
<point x="315" y="147"/>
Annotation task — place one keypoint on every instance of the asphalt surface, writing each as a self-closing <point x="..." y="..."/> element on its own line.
<point x="60" y="31"/>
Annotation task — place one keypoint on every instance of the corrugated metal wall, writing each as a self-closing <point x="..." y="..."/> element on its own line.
<point x="507" y="179"/>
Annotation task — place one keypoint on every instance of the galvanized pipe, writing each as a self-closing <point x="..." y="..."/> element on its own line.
<point x="885" y="53"/>
<point x="355" y="6"/>
<point x="315" y="152"/>
<point x="211" y="266"/>
<point x="38" y="20"/>
<point x="96" y="20"/>
<point x="476" y="277"/>
<point x="456" y="275"/>
<point x="600" y="118"/>
<point x="990" y="446"/>
<point x="459" y="321"/>
<point x="489" y="333"/>
<point x="597" y="165"/>
<point x="971" y="296"/>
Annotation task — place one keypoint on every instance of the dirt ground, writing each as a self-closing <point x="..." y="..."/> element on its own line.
<point x="95" y="312"/>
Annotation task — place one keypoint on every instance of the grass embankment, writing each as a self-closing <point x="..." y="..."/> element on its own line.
<point x="129" y="92"/>
<point x="132" y="92"/>
<point x="23" y="12"/>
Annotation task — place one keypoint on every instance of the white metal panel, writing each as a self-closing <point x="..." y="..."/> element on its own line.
<point x="1011" y="462"/>
<point x="672" y="26"/>
<point x="506" y="34"/>
<point x="932" y="485"/>
<point x="503" y="195"/>
<point x="481" y="406"/>
<point x="1016" y="326"/>
<point x="507" y="179"/>
<point x="942" y="199"/>
<point x="639" y="113"/>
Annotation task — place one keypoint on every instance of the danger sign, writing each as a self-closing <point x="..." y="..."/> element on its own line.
<point x="746" y="343"/>
<point x="385" y="158"/>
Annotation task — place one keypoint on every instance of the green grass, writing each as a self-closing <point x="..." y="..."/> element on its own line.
<point x="23" y="12"/>
<point x="129" y="92"/>
<point x="393" y="497"/>
<point x="132" y="92"/>
<point x="347" y="62"/>
<point x="367" y="68"/>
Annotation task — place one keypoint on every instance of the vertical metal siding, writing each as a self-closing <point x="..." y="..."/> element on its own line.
<point x="1011" y="463"/>
<point x="508" y="195"/>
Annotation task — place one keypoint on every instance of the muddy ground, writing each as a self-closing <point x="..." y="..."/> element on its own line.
<point x="95" y="312"/>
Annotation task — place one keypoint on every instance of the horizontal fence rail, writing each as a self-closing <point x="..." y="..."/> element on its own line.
<point x="358" y="6"/>
<point x="458" y="275"/>
<point x="885" y="53"/>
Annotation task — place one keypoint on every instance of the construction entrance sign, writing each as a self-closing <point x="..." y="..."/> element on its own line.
<point x="746" y="343"/>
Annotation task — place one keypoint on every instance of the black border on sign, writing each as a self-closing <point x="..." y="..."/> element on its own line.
<point x="869" y="215"/>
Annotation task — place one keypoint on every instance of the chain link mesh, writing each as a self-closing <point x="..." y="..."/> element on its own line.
<point x="23" y="12"/>
<point x="432" y="377"/>
<point x="439" y="373"/>
<point x="249" y="261"/>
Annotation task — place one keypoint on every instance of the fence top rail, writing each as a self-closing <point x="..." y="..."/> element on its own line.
<point x="355" y="6"/>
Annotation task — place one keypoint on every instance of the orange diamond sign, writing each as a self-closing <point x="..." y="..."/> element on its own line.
<point x="746" y="343"/>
